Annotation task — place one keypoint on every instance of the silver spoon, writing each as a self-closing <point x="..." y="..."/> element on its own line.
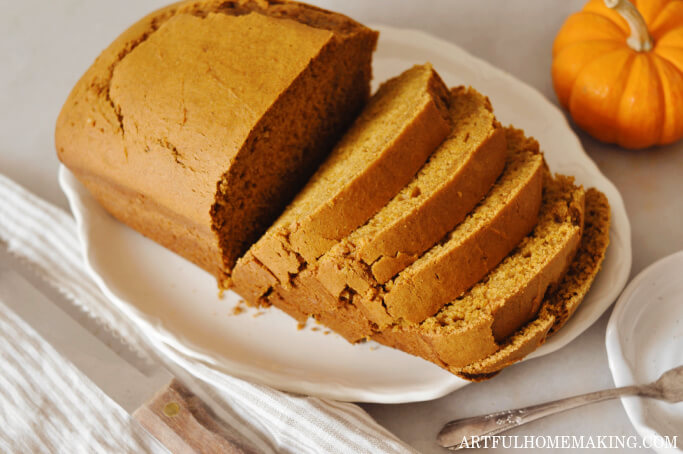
<point x="669" y="387"/>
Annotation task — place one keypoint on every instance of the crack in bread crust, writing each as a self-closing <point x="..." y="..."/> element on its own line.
<point x="110" y="133"/>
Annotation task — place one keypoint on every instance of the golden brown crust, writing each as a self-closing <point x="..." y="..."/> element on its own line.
<point x="144" y="214"/>
<point x="251" y="279"/>
<point x="585" y="268"/>
<point x="137" y="123"/>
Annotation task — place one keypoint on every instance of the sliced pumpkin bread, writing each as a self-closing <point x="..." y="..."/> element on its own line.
<point x="470" y="327"/>
<point x="404" y="122"/>
<point x="458" y="174"/>
<point x="559" y="305"/>
<point x="518" y="190"/>
<point x="456" y="177"/>
<point x="464" y="255"/>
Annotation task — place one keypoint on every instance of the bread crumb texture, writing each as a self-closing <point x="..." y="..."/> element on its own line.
<point x="454" y="179"/>
<point x="559" y="305"/>
<point x="461" y="258"/>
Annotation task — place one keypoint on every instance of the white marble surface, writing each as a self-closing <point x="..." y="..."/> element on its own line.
<point x="45" y="47"/>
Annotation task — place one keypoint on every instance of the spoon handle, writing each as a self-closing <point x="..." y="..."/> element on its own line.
<point x="456" y="432"/>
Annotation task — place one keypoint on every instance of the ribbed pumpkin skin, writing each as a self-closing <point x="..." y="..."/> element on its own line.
<point x="616" y="94"/>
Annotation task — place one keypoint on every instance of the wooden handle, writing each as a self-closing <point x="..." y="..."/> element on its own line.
<point x="182" y="423"/>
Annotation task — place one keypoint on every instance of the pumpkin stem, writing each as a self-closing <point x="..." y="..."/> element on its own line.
<point x="640" y="39"/>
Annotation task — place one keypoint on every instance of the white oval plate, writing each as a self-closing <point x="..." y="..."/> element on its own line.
<point x="176" y="303"/>
<point x="645" y="339"/>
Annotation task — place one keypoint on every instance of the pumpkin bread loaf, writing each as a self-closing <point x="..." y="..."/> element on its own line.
<point x="201" y="122"/>
<point x="404" y="122"/>
<point x="456" y="177"/>
<point x="422" y="223"/>
<point x="558" y="306"/>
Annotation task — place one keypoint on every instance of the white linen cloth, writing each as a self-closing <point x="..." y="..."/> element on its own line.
<point x="47" y="405"/>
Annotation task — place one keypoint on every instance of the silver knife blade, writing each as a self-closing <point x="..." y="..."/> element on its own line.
<point x="160" y="403"/>
<point x="127" y="385"/>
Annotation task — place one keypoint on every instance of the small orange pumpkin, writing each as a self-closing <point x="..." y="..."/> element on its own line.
<point x="618" y="68"/>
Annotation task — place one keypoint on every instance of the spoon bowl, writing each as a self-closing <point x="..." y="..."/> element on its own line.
<point x="670" y="385"/>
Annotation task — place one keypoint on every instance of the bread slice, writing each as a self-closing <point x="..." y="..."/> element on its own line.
<point x="518" y="189"/>
<point x="456" y="177"/>
<point x="559" y="305"/>
<point x="202" y="121"/>
<point x="470" y="327"/>
<point x="402" y="125"/>
<point x="467" y="253"/>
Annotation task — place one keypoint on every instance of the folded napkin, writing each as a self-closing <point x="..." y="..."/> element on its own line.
<point x="35" y="385"/>
<point x="48" y="406"/>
